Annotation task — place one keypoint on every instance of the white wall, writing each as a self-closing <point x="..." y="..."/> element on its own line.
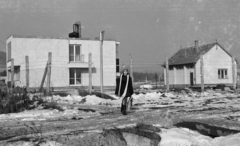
<point x="187" y="75"/>
<point x="213" y="60"/>
<point x="37" y="49"/>
<point x="109" y="61"/>
<point x="171" y="77"/>
<point x="179" y="77"/>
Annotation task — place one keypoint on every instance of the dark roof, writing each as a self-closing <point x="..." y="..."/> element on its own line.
<point x="189" y="55"/>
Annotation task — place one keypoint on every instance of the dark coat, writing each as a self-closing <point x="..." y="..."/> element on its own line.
<point x="123" y="85"/>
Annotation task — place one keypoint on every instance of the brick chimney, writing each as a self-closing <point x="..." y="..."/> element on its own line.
<point x="196" y="46"/>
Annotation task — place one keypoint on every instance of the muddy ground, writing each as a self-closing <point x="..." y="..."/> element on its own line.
<point x="212" y="115"/>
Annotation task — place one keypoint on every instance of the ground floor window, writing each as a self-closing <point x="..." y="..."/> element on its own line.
<point x="74" y="76"/>
<point x="222" y="74"/>
<point x="117" y="65"/>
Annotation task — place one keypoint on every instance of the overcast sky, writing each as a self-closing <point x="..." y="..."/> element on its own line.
<point x="150" y="30"/>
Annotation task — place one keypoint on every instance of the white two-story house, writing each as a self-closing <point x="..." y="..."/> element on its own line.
<point x="69" y="60"/>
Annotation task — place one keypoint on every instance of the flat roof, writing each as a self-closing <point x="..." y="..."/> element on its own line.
<point x="65" y="38"/>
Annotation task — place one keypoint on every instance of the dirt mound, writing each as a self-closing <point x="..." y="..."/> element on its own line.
<point x="140" y="135"/>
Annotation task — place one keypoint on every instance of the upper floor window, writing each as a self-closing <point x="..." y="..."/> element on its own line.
<point x="222" y="74"/>
<point x="75" y="53"/>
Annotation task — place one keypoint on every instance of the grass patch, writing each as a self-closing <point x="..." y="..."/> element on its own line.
<point x="17" y="101"/>
<point x="14" y="102"/>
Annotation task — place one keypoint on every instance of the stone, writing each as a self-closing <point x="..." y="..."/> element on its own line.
<point x="227" y="89"/>
<point x="136" y="140"/>
<point x="142" y="135"/>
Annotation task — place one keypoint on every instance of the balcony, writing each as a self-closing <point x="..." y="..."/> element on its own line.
<point x="77" y="61"/>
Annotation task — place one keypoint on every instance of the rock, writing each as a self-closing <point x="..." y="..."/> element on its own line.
<point x="218" y="94"/>
<point x="210" y="91"/>
<point x="142" y="135"/>
<point x="205" y="94"/>
<point x="111" y="137"/>
<point x="220" y="86"/>
<point x="133" y="139"/>
<point x="168" y="95"/>
<point x="227" y="89"/>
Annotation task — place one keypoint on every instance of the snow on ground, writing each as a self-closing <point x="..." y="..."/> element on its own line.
<point x="210" y="97"/>
<point x="183" y="137"/>
<point x="186" y="137"/>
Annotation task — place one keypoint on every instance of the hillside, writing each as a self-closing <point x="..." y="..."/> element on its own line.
<point x="2" y="59"/>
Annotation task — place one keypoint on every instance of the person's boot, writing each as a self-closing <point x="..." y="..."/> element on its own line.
<point x="124" y="110"/>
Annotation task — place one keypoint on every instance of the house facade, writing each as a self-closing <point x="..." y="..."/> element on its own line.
<point x="69" y="65"/>
<point x="185" y="66"/>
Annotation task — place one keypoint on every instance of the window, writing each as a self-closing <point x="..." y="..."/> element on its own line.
<point x="9" y="51"/>
<point x="17" y="73"/>
<point x="75" y="53"/>
<point x="117" y="65"/>
<point x="117" y="51"/>
<point x="222" y="74"/>
<point x="74" y="76"/>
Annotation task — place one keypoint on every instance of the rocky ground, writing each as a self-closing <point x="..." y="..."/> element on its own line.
<point x="180" y="118"/>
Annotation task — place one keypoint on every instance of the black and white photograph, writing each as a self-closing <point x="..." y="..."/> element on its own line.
<point x="119" y="73"/>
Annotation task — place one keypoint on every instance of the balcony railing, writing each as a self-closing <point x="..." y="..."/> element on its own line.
<point x="76" y="58"/>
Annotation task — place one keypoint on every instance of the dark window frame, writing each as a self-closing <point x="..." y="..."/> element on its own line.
<point x="222" y="73"/>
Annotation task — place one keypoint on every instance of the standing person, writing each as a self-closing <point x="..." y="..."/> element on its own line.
<point x="124" y="89"/>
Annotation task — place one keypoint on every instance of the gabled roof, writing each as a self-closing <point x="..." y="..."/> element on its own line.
<point x="189" y="55"/>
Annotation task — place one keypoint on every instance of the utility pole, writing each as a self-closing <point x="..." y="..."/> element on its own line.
<point x="202" y="73"/>
<point x="131" y="69"/>
<point x="101" y="58"/>
<point x="167" y="75"/>
<point x="12" y="75"/>
<point x="159" y="78"/>
<point x="233" y="73"/>
<point x="27" y="72"/>
<point x="49" y="72"/>
<point x="90" y="72"/>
